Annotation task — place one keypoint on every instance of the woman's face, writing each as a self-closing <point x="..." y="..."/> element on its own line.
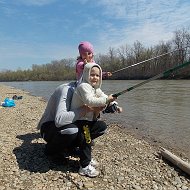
<point x="94" y="76"/>
<point x="87" y="56"/>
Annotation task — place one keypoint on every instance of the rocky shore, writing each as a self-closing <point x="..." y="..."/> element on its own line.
<point x="125" y="162"/>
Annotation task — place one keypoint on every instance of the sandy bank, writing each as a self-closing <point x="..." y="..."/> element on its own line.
<point x="125" y="162"/>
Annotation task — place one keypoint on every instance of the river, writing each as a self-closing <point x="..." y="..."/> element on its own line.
<point x="158" y="111"/>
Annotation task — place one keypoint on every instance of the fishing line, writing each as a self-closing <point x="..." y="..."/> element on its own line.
<point x="147" y="60"/>
<point x="163" y="74"/>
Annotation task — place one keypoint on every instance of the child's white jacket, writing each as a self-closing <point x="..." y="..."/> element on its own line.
<point x="85" y="94"/>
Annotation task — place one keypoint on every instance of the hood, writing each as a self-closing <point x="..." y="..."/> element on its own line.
<point x="86" y="74"/>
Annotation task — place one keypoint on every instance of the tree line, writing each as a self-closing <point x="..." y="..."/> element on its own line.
<point x="175" y="52"/>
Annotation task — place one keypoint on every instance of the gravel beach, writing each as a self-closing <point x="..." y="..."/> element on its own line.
<point x="125" y="161"/>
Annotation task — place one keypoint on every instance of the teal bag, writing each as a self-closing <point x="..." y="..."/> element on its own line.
<point x="8" y="103"/>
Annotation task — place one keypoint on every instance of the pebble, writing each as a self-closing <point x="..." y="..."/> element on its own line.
<point x="125" y="162"/>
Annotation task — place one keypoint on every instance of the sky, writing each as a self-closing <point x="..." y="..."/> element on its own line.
<point x="40" y="31"/>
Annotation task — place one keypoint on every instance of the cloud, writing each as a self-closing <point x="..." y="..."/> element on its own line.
<point x="146" y="21"/>
<point x="149" y="34"/>
<point x="37" y="2"/>
<point x="2" y="2"/>
<point x="106" y="23"/>
<point x="115" y="8"/>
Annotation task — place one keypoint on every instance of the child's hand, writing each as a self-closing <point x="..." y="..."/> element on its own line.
<point x="111" y="98"/>
<point x="109" y="74"/>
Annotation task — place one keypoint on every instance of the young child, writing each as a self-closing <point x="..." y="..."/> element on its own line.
<point x="86" y="53"/>
<point x="88" y="93"/>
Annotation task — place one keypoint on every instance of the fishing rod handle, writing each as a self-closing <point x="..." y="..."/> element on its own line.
<point x="116" y="95"/>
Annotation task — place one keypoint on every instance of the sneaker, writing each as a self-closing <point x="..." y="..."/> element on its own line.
<point x="94" y="163"/>
<point x="89" y="171"/>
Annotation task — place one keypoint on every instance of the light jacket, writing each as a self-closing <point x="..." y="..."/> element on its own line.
<point x="58" y="107"/>
<point x="85" y="94"/>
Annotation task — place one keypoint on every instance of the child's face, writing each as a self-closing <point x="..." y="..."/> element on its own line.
<point x="87" y="56"/>
<point x="94" y="76"/>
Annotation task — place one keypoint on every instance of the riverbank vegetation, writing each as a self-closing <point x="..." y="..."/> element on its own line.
<point x="116" y="59"/>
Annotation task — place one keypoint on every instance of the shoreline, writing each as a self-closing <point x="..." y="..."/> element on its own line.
<point x="137" y="133"/>
<point x="126" y="160"/>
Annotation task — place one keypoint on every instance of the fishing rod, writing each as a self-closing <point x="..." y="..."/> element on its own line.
<point x="147" y="60"/>
<point x="163" y="74"/>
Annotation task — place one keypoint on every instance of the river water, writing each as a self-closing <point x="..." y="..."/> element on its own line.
<point x="158" y="111"/>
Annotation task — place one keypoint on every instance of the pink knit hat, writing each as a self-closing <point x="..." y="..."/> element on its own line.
<point x="85" y="47"/>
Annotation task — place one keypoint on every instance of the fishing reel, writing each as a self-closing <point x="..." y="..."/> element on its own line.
<point x="111" y="108"/>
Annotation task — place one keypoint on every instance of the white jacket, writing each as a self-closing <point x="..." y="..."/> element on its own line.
<point x="85" y="94"/>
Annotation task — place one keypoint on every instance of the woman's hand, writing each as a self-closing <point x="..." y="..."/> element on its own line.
<point x="85" y="109"/>
<point x="97" y="111"/>
<point x="119" y="109"/>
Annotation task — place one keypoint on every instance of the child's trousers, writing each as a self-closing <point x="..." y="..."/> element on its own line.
<point x="79" y="134"/>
